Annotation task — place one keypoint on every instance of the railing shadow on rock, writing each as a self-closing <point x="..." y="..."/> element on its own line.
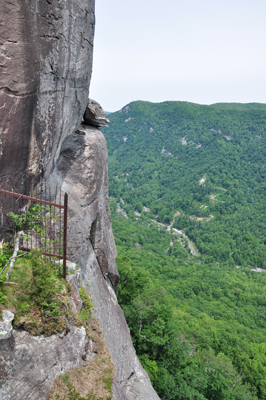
<point x="43" y="221"/>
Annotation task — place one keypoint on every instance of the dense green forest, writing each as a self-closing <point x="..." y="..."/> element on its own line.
<point x="187" y="196"/>
<point x="207" y="162"/>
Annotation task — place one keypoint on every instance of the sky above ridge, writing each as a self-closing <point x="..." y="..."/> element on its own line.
<point x="206" y="51"/>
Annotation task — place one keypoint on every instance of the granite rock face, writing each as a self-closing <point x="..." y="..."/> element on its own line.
<point x="30" y="364"/>
<point x="81" y="171"/>
<point x="132" y="381"/>
<point x="46" y="63"/>
<point x="85" y="156"/>
<point x="95" y="115"/>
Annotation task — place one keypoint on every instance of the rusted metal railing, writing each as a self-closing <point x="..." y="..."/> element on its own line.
<point x="53" y="221"/>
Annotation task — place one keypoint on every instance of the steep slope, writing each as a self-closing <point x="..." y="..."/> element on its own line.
<point x="85" y="155"/>
<point x="92" y="248"/>
<point x="181" y="170"/>
<point x="205" y="163"/>
<point x="46" y="62"/>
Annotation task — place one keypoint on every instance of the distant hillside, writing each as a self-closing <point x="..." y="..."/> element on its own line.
<point x="201" y="166"/>
<point x="240" y="106"/>
<point x="187" y="197"/>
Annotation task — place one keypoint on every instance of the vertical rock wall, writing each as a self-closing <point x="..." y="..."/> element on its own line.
<point x="45" y="70"/>
<point x="81" y="171"/>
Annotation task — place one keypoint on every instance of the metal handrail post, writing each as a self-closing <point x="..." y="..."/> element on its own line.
<point x="65" y="235"/>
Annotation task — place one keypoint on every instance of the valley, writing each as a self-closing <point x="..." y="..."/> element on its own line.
<point x="187" y="199"/>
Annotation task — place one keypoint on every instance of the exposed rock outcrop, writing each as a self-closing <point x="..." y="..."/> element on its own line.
<point x="6" y="318"/>
<point x="46" y="62"/>
<point x="131" y="381"/>
<point x="82" y="172"/>
<point x="95" y="115"/>
<point x="90" y="381"/>
<point x="85" y="156"/>
<point x="30" y="364"/>
<point x="46" y="58"/>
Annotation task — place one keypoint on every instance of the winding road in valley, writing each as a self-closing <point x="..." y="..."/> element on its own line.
<point x="181" y="233"/>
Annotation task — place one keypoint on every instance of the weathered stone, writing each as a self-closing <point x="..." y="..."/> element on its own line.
<point x="30" y="364"/>
<point x="90" y="381"/>
<point x="85" y="157"/>
<point x="131" y="381"/>
<point x="46" y="62"/>
<point x="81" y="171"/>
<point x="6" y="324"/>
<point x="95" y="115"/>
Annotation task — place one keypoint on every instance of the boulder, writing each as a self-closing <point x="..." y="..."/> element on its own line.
<point x="95" y="115"/>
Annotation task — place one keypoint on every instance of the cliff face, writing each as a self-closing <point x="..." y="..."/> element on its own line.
<point x="46" y="62"/>
<point x="46" y="59"/>
<point x="84" y="155"/>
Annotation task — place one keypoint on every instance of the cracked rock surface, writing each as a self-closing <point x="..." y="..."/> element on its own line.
<point x="81" y="171"/>
<point x="30" y="364"/>
<point x="95" y="115"/>
<point x="131" y="380"/>
<point x="45" y="61"/>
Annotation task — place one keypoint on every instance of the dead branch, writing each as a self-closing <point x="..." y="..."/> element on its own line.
<point x="140" y="327"/>
<point x="11" y="261"/>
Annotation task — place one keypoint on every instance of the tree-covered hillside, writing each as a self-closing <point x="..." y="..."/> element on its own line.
<point x="187" y="196"/>
<point x="203" y="166"/>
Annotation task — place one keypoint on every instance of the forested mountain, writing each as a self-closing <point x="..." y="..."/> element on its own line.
<point x="187" y="195"/>
<point x="206" y="162"/>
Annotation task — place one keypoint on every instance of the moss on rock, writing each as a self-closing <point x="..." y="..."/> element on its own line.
<point x="39" y="298"/>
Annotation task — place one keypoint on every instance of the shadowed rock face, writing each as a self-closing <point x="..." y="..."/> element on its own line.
<point x="95" y="115"/>
<point x="45" y="64"/>
<point x="81" y="171"/>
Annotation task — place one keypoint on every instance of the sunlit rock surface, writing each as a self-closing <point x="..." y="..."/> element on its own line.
<point x="6" y="324"/>
<point x="85" y="155"/>
<point x="30" y="364"/>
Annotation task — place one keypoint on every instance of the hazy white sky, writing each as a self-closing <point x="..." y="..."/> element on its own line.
<point x="202" y="51"/>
